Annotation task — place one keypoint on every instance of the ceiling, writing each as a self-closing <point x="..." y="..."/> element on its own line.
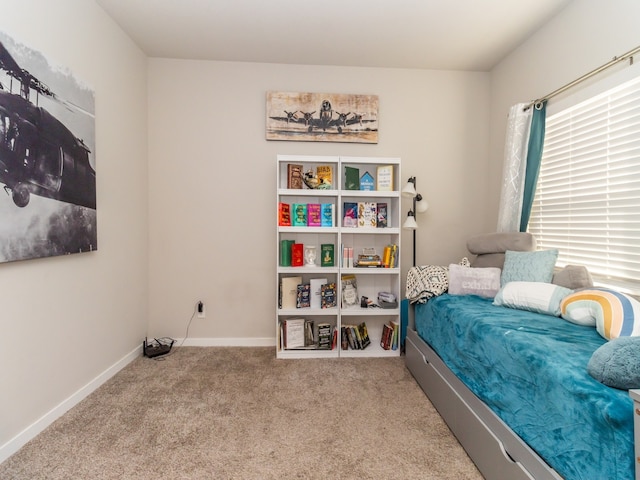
<point x="469" y="35"/>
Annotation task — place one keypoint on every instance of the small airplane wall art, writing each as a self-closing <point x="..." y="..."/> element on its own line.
<point x="322" y="117"/>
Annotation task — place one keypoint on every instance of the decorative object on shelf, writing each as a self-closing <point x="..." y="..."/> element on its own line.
<point x="310" y="255"/>
<point x="322" y="117"/>
<point x="420" y="205"/>
<point x="367" y="182"/>
<point x="314" y="181"/>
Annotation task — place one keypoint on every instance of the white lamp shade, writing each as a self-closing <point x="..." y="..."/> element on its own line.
<point x="410" y="222"/>
<point x="409" y="190"/>
<point x="421" y="205"/>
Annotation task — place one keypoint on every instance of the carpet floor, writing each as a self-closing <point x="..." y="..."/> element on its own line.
<point x="239" y="413"/>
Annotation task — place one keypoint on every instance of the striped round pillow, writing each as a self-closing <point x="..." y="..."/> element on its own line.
<point x="614" y="314"/>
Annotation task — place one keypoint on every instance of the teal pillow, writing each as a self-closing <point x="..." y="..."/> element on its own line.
<point x="528" y="266"/>
<point x="617" y="363"/>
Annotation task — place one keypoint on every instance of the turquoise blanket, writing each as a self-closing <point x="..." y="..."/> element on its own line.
<point x="531" y="370"/>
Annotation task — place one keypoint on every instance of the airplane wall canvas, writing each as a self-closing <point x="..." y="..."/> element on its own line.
<point x="323" y="117"/>
<point x="47" y="157"/>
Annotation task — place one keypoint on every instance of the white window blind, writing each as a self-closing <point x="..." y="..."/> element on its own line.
<point x="587" y="201"/>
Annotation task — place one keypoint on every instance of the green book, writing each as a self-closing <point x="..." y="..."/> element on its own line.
<point x="351" y="178"/>
<point x="327" y="252"/>
<point x="285" y="252"/>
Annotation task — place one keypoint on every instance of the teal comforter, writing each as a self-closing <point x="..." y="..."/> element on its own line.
<point x="531" y="370"/>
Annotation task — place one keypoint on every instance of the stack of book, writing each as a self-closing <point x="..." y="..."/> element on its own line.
<point x="364" y="214"/>
<point x="390" y="332"/>
<point x="355" y="337"/>
<point x="305" y="214"/>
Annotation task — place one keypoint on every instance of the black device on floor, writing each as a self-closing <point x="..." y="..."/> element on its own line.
<point x="157" y="347"/>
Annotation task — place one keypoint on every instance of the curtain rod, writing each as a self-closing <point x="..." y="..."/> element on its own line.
<point x="616" y="60"/>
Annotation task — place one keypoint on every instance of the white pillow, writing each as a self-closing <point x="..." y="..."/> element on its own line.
<point x="537" y="297"/>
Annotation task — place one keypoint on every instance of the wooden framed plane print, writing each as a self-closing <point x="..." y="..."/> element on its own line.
<point x="322" y="117"/>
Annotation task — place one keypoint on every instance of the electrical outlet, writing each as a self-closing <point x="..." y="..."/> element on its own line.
<point x="201" y="310"/>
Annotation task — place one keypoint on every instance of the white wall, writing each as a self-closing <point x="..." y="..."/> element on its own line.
<point x="66" y="320"/>
<point x="212" y="179"/>
<point x="585" y="35"/>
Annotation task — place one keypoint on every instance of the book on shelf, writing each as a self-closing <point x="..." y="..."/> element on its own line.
<point x="303" y="299"/>
<point x="325" y="175"/>
<point x="349" y="286"/>
<point x="351" y="178"/>
<point x="396" y="334"/>
<point x="347" y="257"/>
<point x="389" y="338"/>
<point x="363" y="333"/>
<point x="328" y="297"/>
<point x="293" y="332"/>
<point x="316" y="291"/>
<point x="327" y="255"/>
<point x="390" y="256"/>
<point x="299" y="215"/>
<point x="350" y="214"/>
<point x="285" y="252"/>
<point x="367" y="182"/>
<point x="382" y="216"/>
<point x="284" y="214"/>
<point x="309" y="340"/>
<point x="294" y="176"/>
<point x="367" y="214"/>
<point x="326" y="214"/>
<point x="289" y="291"/>
<point x="324" y="336"/>
<point x="314" y="218"/>
<point x="297" y="254"/>
<point x="354" y="337"/>
<point x="384" y="178"/>
<point x="344" y="339"/>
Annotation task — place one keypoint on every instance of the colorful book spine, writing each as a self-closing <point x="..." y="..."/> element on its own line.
<point x="327" y="214"/>
<point x="384" y="178"/>
<point x="325" y="175"/>
<point x="285" y="252"/>
<point x="304" y="296"/>
<point x="297" y="255"/>
<point x="294" y="176"/>
<point x="350" y="214"/>
<point x="367" y="216"/>
<point x="299" y="215"/>
<point x="284" y="214"/>
<point x="327" y="255"/>
<point x="314" y="216"/>
<point x="382" y="215"/>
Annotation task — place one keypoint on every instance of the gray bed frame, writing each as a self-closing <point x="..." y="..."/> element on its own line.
<point x="496" y="450"/>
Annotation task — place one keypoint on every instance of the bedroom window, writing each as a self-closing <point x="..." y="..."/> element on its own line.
<point x="587" y="201"/>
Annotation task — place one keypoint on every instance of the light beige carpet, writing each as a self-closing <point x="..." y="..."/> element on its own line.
<point x="239" y="413"/>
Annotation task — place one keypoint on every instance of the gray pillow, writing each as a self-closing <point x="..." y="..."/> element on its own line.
<point x="573" y="277"/>
<point x="617" y="363"/>
<point x="501" y="242"/>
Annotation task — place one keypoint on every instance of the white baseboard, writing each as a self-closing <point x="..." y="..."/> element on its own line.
<point x="17" y="442"/>
<point x="226" y="342"/>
